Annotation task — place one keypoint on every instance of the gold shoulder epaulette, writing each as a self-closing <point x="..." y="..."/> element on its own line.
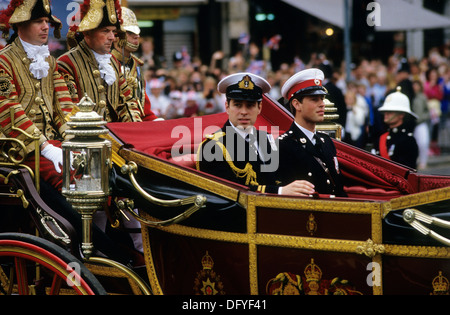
<point x="139" y="61"/>
<point x="215" y="136"/>
<point x="247" y="172"/>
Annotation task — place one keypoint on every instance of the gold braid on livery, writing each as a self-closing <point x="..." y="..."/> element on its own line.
<point x="36" y="104"/>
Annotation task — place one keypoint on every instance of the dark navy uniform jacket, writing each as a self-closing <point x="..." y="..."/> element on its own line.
<point x="301" y="160"/>
<point x="245" y="164"/>
<point x="401" y="146"/>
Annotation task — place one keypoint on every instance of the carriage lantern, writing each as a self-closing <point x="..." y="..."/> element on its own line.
<point x="86" y="167"/>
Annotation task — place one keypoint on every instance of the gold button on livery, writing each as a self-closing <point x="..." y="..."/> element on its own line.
<point x="38" y="100"/>
<point x="101" y="103"/>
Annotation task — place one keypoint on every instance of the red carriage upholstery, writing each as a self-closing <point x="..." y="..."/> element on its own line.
<point x="366" y="175"/>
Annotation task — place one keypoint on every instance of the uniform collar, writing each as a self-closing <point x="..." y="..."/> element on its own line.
<point x="308" y="134"/>
<point x="241" y="132"/>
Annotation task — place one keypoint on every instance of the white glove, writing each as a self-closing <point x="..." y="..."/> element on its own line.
<point x="54" y="154"/>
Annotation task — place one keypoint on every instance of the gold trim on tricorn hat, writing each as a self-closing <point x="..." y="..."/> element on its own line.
<point x="92" y="15"/>
<point x="19" y="11"/>
<point x="98" y="13"/>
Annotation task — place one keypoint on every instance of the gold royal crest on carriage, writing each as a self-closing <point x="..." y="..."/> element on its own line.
<point x="207" y="281"/>
<point x="311" y="283"/>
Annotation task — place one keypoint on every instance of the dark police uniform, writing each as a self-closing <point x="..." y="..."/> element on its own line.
<point x="399" y="144"/>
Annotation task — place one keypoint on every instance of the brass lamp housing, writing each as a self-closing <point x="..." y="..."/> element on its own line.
<point x="329" y="126"/>
<point x="86" y="167"/>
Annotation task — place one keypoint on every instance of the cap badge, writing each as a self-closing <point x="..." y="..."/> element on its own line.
<point x="316" y="81"/>
<point x="246" y="83"/>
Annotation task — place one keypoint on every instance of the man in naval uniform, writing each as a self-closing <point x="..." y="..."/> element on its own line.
<point x="239" y="152"/>
<point x="31" y="86"/>
<point x="306" y="155"/>
<point x="398" y="143"/>
<point x="132" y="67"/>
<point x="89" y="68"/>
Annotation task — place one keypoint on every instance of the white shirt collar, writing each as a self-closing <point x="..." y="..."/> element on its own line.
<point x="104" y="66"/>
<point x="243" y="133"/>
<point x="39" y="67"/>
<point x="307" y="133"/>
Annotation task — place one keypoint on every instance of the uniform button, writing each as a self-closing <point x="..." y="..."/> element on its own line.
<point x="37" y="86"/>
<point x="96" y="73"/>
<point x="102" y="103"/>
<point x="101" y="88"/>
<point x="39" y="101"/>
<point x="32" y="112"/>
<point x="328" y="181"/>
<point x="309" y="174"/>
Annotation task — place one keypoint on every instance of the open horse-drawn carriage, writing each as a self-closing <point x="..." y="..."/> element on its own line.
<point x="206" y="235"/>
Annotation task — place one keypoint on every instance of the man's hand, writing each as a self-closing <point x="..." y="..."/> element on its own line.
<point x="298" y="188"/>
<point x="54" y="154"/>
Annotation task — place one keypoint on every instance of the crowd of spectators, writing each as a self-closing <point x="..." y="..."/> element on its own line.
<point x="188" y="88"/>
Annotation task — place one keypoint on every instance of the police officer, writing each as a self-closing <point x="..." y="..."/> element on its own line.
<point x="306" y="155"/>
<point x="398" y="143"/>
<point x="239" y="152"/>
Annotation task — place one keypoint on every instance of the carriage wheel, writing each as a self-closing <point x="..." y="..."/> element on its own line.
<point x="32" y="265"/>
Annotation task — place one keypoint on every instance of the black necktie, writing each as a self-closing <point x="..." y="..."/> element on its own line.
<point x="251" y="139"/>
<point x="318" y="145"/>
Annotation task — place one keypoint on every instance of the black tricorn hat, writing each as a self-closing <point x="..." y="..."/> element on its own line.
<point x="19" y="11"/>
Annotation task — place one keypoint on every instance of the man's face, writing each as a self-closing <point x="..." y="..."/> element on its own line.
<point x="34" y="32"/>
<point x="101" y="39"/>
<point x="133" y="38"/>
<point x="393" y="119"/>
<point x="243" y="114"/>
<point x="310" y="111"/>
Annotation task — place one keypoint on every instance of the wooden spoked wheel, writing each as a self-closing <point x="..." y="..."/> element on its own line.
<point x="32" y="265"/>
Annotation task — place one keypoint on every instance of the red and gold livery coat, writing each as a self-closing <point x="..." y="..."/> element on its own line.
<point x="38" y="104"/>
<point x="80" y="70"/>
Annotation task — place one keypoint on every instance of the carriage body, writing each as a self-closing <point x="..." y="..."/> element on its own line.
<point x="242" y="242"/>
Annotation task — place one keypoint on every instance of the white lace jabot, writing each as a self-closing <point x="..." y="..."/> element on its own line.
<point x="39" y="66"/>
<point x="106" y="70"/>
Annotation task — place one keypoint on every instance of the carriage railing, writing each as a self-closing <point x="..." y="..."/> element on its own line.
<point x="14" y="150"/>
<point x="414" y="218"/>
<point x="196" y="201"/>
<point x="13" y="153"/>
